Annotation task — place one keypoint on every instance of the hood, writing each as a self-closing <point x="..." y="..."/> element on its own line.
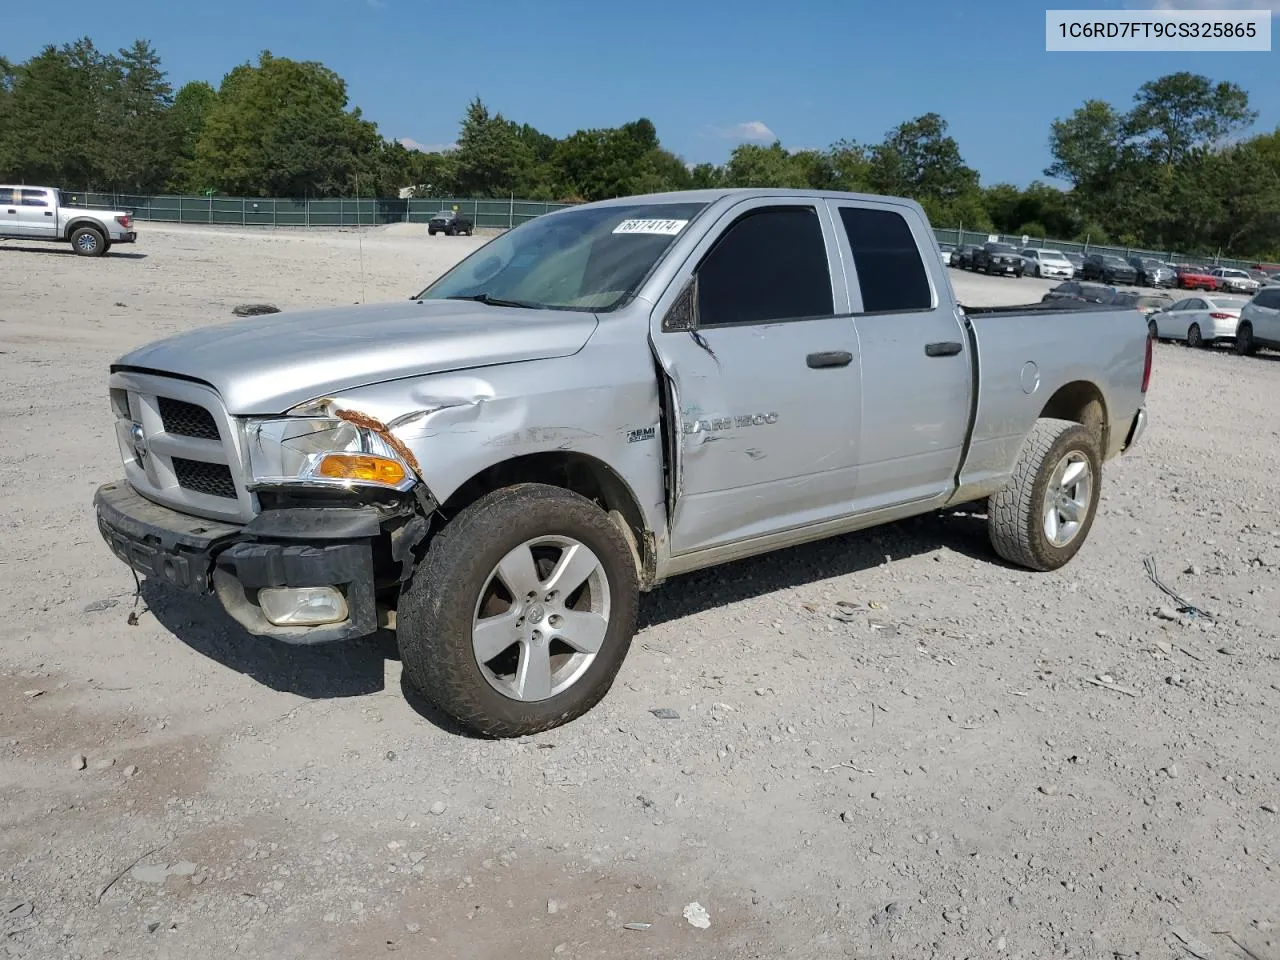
<point x="268" y="364"/>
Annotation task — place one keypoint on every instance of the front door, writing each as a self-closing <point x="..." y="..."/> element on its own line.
<point x="37" y="216"/>
<point x="916" y="361"/>
<point x="766" y="386"/>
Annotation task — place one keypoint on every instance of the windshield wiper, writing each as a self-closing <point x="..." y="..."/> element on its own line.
<point x="492" y="301"/>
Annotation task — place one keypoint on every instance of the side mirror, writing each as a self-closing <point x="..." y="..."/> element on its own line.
<point x="683" y="315"/>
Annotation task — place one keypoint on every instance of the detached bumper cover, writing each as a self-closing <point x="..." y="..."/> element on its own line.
<point x="309" y="547"/>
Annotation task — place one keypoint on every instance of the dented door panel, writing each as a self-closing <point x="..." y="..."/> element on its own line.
<point x="764" y="441"/>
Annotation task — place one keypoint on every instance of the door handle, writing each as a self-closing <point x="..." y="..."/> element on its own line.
<point x="13" y="211"/>
<point x="48" y="213"/>
<point x="947" y="348"/>
<point x="829" y="358"/>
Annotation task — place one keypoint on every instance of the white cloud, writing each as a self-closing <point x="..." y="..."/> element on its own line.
<point x="411" y="144"/>
<point x="1272" y="5"/>
<point x="750" y="130"/>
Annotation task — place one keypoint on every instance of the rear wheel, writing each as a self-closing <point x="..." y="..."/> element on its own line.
<point x="1042" y="516"/>
<point x="1244" y="344"/>
<point x="88" y="242"/>
<point x="520" y="615"/>
<point x="1194" y="339"/>
<point x="1153" y="330"/>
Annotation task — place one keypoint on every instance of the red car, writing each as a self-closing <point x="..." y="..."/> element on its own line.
<point x="1191" y="277"/>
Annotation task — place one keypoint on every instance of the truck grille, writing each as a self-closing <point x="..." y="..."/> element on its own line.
<point x="187" y="419"/>
<point x="213" y="479"/>
<point x="180" y="447"/>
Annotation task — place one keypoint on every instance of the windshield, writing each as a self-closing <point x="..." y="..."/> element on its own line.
<point x="1000" y="248"/>
<point x="1114" y="262"/>
<point x="1052" y="255"/>
<point x="590" y="259"/>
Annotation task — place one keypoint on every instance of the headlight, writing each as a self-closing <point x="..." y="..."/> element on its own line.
<point x="324" y="451"/>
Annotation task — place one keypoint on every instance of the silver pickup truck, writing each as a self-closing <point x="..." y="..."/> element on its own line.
<point x="38" y="213"/>
<point x="598" y="400"/>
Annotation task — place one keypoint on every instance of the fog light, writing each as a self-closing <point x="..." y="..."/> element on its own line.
<point x="302" y="606"/>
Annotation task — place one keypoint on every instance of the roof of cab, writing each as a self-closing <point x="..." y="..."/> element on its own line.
<point x="750" y="193"/>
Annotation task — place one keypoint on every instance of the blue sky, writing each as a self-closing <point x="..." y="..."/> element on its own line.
<point x="708" y="74"/>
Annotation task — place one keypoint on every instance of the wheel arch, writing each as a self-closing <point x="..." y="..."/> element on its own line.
<point x="1080" y="401"/>
<point x="79" y="222"/>
<point x="580" y="473"/>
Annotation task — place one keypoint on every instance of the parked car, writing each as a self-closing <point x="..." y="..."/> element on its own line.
<point x="963" y="258"/>
<point x="442" y="465"/>
<point x="1147" y="303"/>
<point x="1050" y="264"/>
<point x="1150" y="272"/>
<point x="39" y="213"/>
<point x="1076" y="259"/>
<point x="991" y="258"/>
<point x="1085" y="292"/>
<point x="450" y="223"/>
<point x="1107" y="268"/>
<point x="1259" y="323"/>
<point x="1195" y="277"/>
<point x="1234" y="281"/>
<point x="1199" y="321"/>
<point x="946" y="251"/>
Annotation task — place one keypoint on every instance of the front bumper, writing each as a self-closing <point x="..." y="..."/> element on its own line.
<point x="300" y="547"/>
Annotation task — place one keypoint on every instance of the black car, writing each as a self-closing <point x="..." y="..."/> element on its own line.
<point x="1153" y="273"/>
<point x="450" y="223"/>
<point x="964" y="257"/>
<point x="998" y="258"/>
<point x="1108" y="268"/>
<point x="1081" y="292"/>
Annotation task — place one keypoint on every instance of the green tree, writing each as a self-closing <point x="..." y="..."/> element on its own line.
<point x="492" y="158"/>
<point x="1182" y="112"/>
<point x="191" y="107"/>
<point x="137" y="142"/>
<point x="754" y="165"/>
<point x="282" y="128"/>
<point x="918" y="159"/>
<point x="1086" y="146"/>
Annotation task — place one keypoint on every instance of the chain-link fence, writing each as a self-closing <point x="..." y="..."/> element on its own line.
<point x="484" y="213"/>
<point x="335" y="212"/>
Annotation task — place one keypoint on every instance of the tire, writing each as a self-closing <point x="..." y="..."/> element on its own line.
<point x="1018" y="523"/>
<point x="88" y="242"/>
<point x="1244" y="343"/>
<point x="438" y="612"/>
<point x="430" y="232"/>
<point x="1153" y="330"/>
<point x="1194" y="338"/>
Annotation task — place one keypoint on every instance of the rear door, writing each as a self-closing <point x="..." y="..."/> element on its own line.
<point x="36" y="213"/>
<point x="764" y="390"/>
<point x="916" y="376"/>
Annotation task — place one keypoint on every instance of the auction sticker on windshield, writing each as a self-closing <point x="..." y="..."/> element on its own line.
<point x="665" y="228"/>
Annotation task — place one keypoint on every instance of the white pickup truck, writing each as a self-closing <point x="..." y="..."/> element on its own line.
<point x="38" y="213"/>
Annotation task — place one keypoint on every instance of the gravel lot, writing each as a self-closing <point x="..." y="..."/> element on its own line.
<point x="935" y="778"/>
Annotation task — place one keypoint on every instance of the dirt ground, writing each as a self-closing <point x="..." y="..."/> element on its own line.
<point x="931" y="775"/>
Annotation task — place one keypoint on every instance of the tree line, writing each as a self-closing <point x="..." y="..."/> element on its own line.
<point x="1172" y="171"/>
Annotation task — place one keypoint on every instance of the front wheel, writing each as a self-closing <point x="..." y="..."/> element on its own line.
<point x="1153" y="330"/>
<point x="1042" y="515"/>
<point x="520" y="615"/>
<point x="1194" y="338"/>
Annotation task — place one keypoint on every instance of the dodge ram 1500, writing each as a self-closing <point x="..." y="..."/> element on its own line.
<point x="596" y="401"/>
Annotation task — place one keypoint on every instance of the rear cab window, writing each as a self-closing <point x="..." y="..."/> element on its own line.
<point x="891" y="271"/>
<point x="35" y="198"/>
